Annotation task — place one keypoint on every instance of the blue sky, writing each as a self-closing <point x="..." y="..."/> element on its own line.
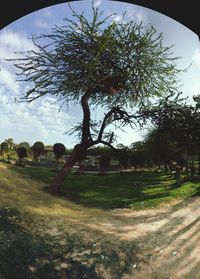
<point x="41" y="120"/>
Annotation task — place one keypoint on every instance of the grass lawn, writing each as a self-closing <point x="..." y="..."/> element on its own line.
<point x="137" y="190"/>
<point x="42" y="236"/>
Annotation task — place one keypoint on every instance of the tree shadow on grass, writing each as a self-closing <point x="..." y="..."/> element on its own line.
<point x="28" y="255"/>
<point x="24" y="255"/>
<point x="112" y="191"/>
<point x="105" y="192"/>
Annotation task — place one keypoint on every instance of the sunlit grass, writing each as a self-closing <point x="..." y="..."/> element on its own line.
<point x="133" y="190"/>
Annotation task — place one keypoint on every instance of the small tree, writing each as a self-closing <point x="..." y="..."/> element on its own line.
<point x="10" y="143"/>
<point x="37" y="148"/>
<point x="161" y="147"/>
<point x="26" y="145"/>
<point x="119" y="66"/>
<point x="4" y="148"/>
<point x="22" y="153"/>
<point x="59" y="150"/>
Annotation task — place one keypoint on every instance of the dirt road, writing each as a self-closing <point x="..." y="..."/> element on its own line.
<point x="168" y="237"/>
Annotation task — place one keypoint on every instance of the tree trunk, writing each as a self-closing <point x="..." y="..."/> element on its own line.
<point x="166" y="167"/>
<point x="78" y="151"/>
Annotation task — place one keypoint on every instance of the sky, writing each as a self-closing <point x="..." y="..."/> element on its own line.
<point x="42" y="120"/>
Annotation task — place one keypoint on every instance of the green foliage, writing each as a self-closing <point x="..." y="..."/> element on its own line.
<point x="24" y="144"/>
<point x="177" y="129"/>
<point x="161" y="146"/>
<point x="100" y="151"/>
<point x="37" y="149"/>
<point x="11" y="155"/>
<point x="27" y="146"/>
<point x="97" y="57"/>
<point x="4" y="146"/>
<point x="22" y="152"/>
<point x="59" y="150"/>
<point x="10" y="143"/>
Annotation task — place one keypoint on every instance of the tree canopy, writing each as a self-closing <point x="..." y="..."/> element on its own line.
<point x="117" y="64"/>
<point x="59" y="150"/>
<point x="120" y="66"/>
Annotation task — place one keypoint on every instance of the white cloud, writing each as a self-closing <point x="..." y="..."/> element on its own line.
<point x="42" y="24"/>
<point x="114" y="17"/>
<point x="4" y="100"/>
<point x="117" y="18"/>
<point x="97" y="3"/>
<point x="15" y="41"/>
<point x="140" y="16"/>
<point x="11" y="43"/>
<point x="195" y="90"/>
<point x="131" y="12"/>
<point x="136" y="14"/>
<point x="196" y="57"/>
<point x="40" y="119"/>
<point x="8" y="80"/>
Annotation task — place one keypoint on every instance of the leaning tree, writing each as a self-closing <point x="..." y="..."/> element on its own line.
<point x="118" y="66"/>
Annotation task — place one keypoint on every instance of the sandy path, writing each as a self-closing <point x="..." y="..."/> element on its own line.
<point x="168" y="237"/>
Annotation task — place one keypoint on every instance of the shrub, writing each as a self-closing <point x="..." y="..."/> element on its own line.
<point x="22" y="153"/>
<point x="37" y="149"/>
<point x="58" y="150"/>
<point x="4" y="148"/>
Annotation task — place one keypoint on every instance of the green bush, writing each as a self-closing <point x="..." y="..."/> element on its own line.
<point x="58" y="150"/>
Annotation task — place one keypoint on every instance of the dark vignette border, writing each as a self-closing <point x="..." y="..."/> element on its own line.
<point x="185" y="12"/>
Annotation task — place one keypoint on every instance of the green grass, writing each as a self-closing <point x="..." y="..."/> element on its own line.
<point x="42" y="236"/>
<point x="140" y="189"/>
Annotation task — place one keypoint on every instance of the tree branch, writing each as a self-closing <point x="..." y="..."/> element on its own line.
<point x="103" y="126"/>
<point x="86" y="135"/>
<point x="105" y="143"/>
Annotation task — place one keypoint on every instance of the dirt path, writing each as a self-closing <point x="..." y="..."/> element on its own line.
<point x="168" y="237"/>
